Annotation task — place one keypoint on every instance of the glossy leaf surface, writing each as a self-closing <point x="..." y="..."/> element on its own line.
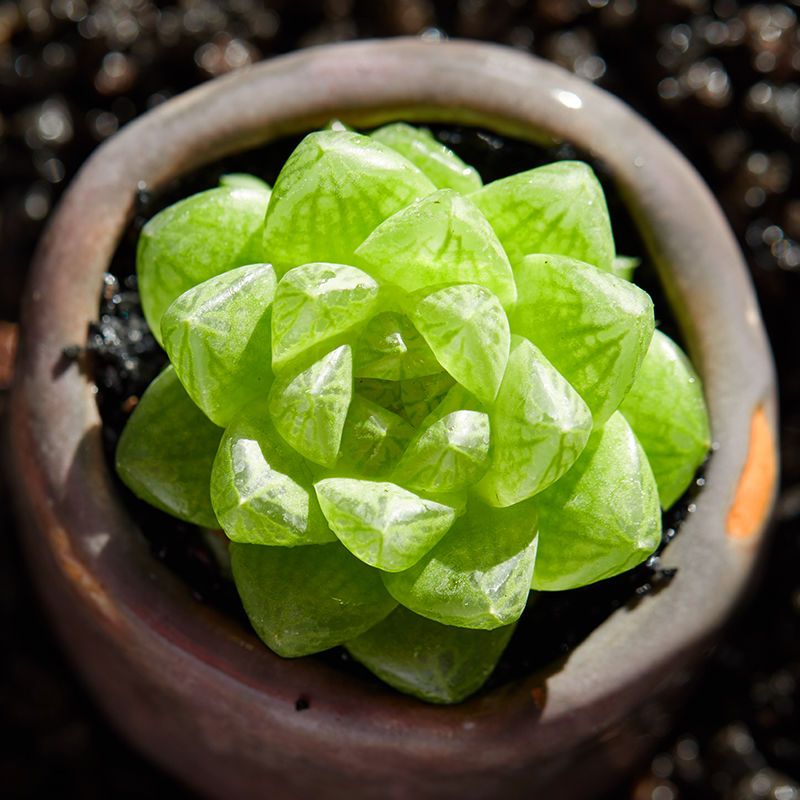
<point x="316" y="302"/>
<point x="243" y="180"/>
<point x="391" y="348"/>
<point x="303" y="600"/>
<point x="383" y="393"/>
<point x="666" y="410"/>
<point x="467" y="330"/>
<point x="166" y="450"/>
<point x="309" y="408"/>
<point x="479" y="574"/>
<point x="420" y="396"/>
<point x="457" y="398"/>
<point x="445" y="169"/>
<point x="602" y="517"/>
<point x="539" y="426"/>
<point x="373" y="440"/>
<point x="381" y="523"/>
<point x="624" y="267"/>
<point x="593" y="327"/>
<point x="441" y="238"/>
<point x="452" y="453"/>
<point x="217" y="336"/>
<point x="262" y="490"/>
<point x="558" y="208"/>
<point x="194" y="240"/>
<point x="335" y="188"/>
<point x="437" y="663"/>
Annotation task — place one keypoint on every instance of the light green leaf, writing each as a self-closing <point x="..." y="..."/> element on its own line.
<point x="382" y="393"/>
<point x="666" y="410"/>
<point x="315" y="303"/>
<point x="310" y="407"/>
<point x="262" y="489"/>
<point x="194" y="240"/>
<point x="217" y="336"/>
<point x="390" y="348"/>
<point x="479" y="574"/>
<point x="373" y="440"/>
<point x="334" y="189"/>
<point x="439" y="163"/>
<point x="452" y="453"/>
<point x="602" y="518"/>
<point x="456" y="399"/>
<point x="302" y="600"/>
<point x="467" y="329"/>
<point x="243" y="180"/>
<point x="381" y="523"/>
<point x="539" y="427"/>
<point x="442" y="238"/>
<point x="437" y="663"/>
<point x="166" y="450"/>
<point x="557" y="208"/>
<point x="624" y="266"/>
<point x="593" y="327"/>
<point x="420" y="396"/>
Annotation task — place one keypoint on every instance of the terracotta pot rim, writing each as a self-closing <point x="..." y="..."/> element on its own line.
<point x="89" y="542"/>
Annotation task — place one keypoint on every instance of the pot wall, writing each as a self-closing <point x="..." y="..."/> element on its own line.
<point x="208" y="701"/>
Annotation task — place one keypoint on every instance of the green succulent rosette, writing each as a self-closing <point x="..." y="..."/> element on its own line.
<point x="408" y="399"/>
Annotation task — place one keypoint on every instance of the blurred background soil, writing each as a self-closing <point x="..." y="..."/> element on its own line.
<point x="720" y="78"/>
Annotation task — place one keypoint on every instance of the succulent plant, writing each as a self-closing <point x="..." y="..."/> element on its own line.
<point x="407" y="398"/>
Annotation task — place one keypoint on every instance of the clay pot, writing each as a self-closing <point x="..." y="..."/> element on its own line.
<point x="205" y="699"/>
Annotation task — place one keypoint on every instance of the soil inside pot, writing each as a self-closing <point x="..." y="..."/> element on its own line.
<point x="125" y="358"/>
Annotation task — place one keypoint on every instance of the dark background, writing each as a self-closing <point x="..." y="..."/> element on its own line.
<point x="720" y="78"/>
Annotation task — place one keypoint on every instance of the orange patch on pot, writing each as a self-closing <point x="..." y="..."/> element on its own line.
<point x="757" y="481"/>
<point x="9" y="335"/>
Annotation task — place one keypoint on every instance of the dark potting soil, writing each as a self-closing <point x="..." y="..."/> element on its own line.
<point x="126" y="358"/>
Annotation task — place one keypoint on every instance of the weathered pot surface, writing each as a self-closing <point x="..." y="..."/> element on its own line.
<point x="207" y="700"/>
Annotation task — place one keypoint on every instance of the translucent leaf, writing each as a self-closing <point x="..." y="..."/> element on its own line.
<point x="624" y="267"/>
<point x="437" y="663"/>
<point x="457" y="398"/>
<point x="166" y="450"/>
<point x="557" y="208"/>
<point x="217" y="336"/>
<point x="373" y="440"/>
<point x="539" y="428"/>
<point x="602" y="518"/>
<point x="382" y="393"/>
<point x="442" y="238"/>
<point x="337" y="125"/>
<point x="243" y="180"/>
<point x="457" y="500"/>
<point x="390" y="348"/>
<point x="334" y="189"/>
<point x="381" y="523"/>
<point x="309" y="408"/>
<point x="193" y="240"/>
<point x="594" y="327"/>
<point x="420" y="396"/>
<point x="262" y="489"/>
<point x="303" y="600"/>
<point x="451" y="454"/>
<point x="445" y="169"/>
<point x="467" y="329"/>
<point x="316" y="302"/>
<point x="479" y="574"/>
<point x="666" y="410"/>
